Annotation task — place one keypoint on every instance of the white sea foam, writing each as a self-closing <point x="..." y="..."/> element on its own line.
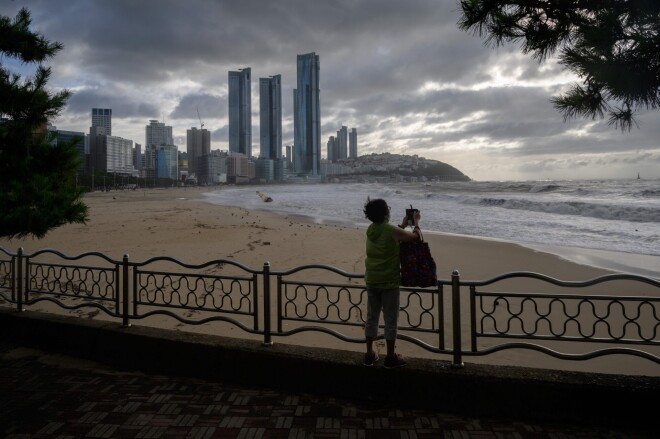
<point x="615" y="216"/>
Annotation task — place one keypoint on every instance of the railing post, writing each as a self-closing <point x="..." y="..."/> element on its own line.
<point x="19" y="281"/>
<point x="456" y="317"/>
<point x="124" y="292"/>
<point x="441" y="316"/>
<point x="267" y="339"/>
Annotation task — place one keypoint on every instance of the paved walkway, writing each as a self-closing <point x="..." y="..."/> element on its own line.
<point x="53" y="396"/>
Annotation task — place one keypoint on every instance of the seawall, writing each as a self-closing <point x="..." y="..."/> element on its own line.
<point x="475" y="390"/>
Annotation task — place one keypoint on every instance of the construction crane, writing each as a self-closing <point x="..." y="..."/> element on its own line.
<point x="200" y="120"/>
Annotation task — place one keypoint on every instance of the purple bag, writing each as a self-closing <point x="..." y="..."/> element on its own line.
<point x="418" y="268"/>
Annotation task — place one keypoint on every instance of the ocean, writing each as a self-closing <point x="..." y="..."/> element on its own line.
<point x="612" y="224"/>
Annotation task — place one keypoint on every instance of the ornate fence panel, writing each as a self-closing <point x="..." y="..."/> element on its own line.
<point x="326" y="307"/>
<point x="7" y="276"/>
<point x="320" y="305"/>
<point x="199" y="295"/>
<point x="618" y="319"/>
<point x="72" y="286"/>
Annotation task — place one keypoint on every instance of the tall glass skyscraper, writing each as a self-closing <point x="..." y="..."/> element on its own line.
<point x="342" y="143"/>
<point x="240" y="112"/>
<point x="270" y="117"/>
<point x="352" y="144"/>
<point x="307" y="116"/>
<point x="167" y="164"/>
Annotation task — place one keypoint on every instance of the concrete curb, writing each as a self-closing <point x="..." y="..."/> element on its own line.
<point x="476" y="390"/>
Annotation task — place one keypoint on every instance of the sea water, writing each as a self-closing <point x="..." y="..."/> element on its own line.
<point x="613" y="224"/>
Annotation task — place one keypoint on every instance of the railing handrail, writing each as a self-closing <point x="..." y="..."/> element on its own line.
<point x="71" y="258"/>
<point x="195" y="266"/>
<point x="555" y="281"/>
<point x="317" y="266"/>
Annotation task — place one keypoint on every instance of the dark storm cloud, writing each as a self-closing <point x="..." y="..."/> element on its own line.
<point x="386" y="65"/>
<point x="194" y="106"/>
<point x="81" y="102"/>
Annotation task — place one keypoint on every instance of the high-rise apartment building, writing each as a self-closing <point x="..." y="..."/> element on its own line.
<point x="307" y="116"/>
<point x="332" y="149"/>
<point x="102" y="117"/>
<point x="137" y="156"/>
<point x="157" y="133"/>
<point x="110" y="153"/>
<point x="198" y="144"/>
<point x="240" y="112"/>
<point x="342" y="143"/>
<point x="270" y="117"/>
<point x="352" y="144"/>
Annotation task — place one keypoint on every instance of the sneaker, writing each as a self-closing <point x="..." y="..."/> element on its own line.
<point x="370" y="359"/>
<point x="395" y="361"/>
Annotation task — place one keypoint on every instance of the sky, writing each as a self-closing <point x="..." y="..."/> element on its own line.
<point x="400" y="72"/>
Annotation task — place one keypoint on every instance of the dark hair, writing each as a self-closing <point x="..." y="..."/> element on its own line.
<point x="376" y="210"/>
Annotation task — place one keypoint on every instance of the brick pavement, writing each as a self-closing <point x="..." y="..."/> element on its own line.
<point x="49" y="396"/>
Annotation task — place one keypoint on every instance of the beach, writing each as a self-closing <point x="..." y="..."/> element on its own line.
<point x="180" y="223"/>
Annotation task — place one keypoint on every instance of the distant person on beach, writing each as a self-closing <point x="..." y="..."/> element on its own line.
<point x="382" y="276"/>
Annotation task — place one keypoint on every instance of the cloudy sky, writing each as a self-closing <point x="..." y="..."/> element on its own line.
<point x="399" y="71"/>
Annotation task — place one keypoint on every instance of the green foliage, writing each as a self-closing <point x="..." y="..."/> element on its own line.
<point x="613" y="46"/>
<point x="37" y="176"/>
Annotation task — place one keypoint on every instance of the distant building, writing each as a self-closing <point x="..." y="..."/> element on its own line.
<point x="307" y="116"/>
<point x="198" y="144"/>
<point x="342" y="143"/>
<point x="352" y="144"/>
<point x="102" y="117"/>
<point x="237" y="168"/>
<point x="110" y="153"/>
<point x="240" y="112"/>
<point x="212" y="168"/>
<point x="265" y="169"/>
<point x="79" y="140"/>
<point x="332" y="149"/>
<point x="289" y="156"/>
<point x="270" y="117"/>
<point x="183" y="165"/>
<point x="167" y="162"/>
<point x="280" y="169"/>
<point x="157" y="133"/>
<point x="137" y="156"/>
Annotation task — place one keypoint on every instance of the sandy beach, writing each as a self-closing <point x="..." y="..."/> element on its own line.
<point x="179" y="223"/>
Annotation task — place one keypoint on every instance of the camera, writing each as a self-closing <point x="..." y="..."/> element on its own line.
<point x="410" y="214"/>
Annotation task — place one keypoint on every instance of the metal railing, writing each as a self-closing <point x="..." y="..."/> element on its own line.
<point x="493" y="317"/>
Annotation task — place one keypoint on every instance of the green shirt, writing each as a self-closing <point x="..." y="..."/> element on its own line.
<point x="382" y="266"/>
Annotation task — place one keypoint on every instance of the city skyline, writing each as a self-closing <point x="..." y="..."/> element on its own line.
<point x="403" y="74"/>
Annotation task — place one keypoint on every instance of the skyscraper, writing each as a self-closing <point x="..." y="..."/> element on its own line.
<point x="307" y="116"/>
<point x="332" y="149"/>
<point x="352" y="144"/>
<point x="157" y="134"/>
<point x="342" y="143"/>
<point x="102" y="117"/>
<point x="167" y="164"/>
<point x="240" y="112"/>
<point x="270" y="117"/>
<point x="198" y="144"/>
